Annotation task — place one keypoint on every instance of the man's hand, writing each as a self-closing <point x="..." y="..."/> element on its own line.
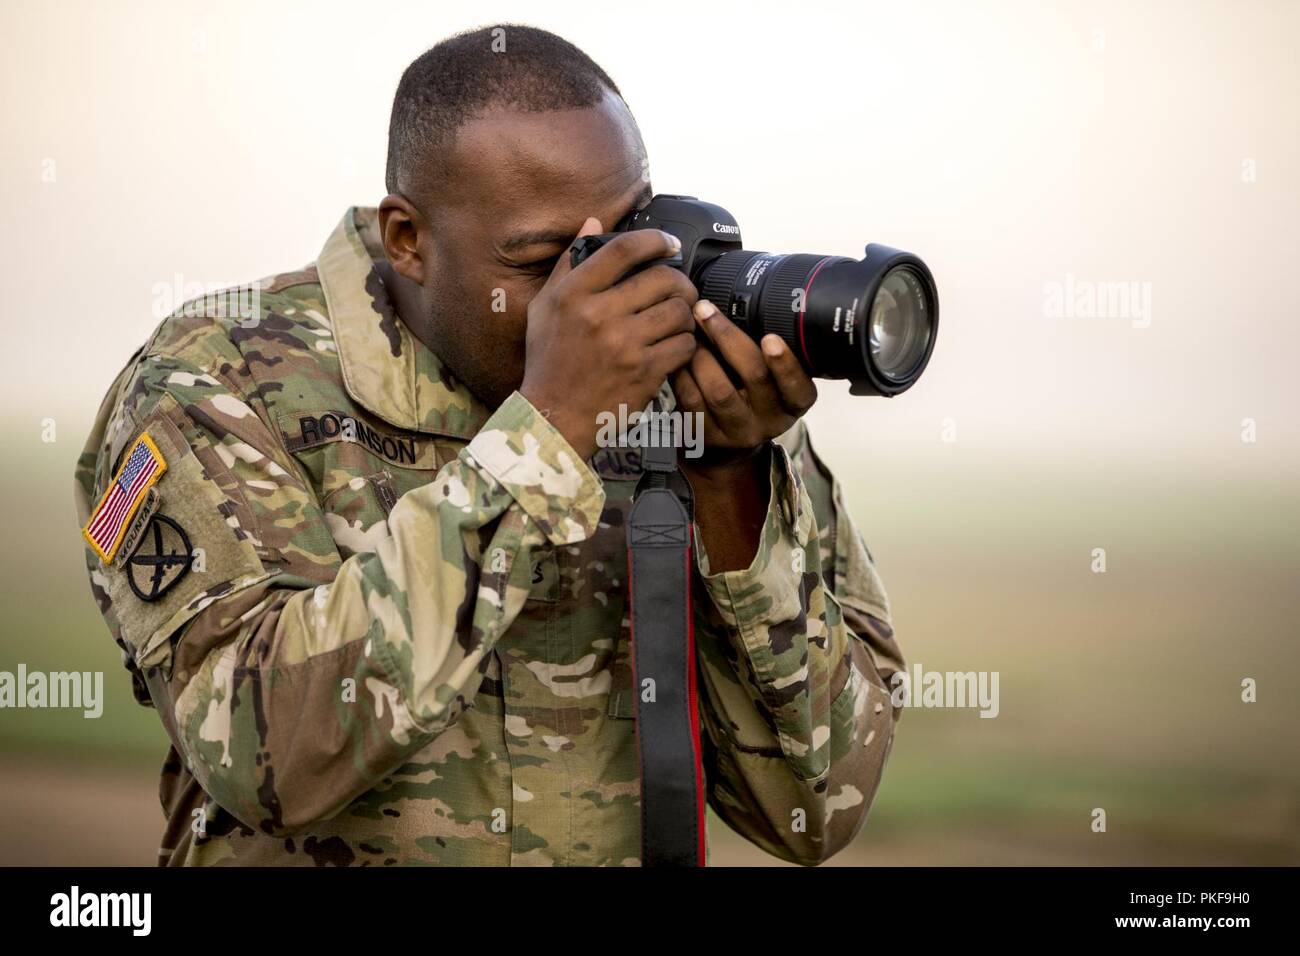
<point x="730" y="477"/>
<point x="595" y="342"/>
<point x="739" y="420"/>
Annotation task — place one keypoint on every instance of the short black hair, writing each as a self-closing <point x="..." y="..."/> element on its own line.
<point x="508" y="64"/>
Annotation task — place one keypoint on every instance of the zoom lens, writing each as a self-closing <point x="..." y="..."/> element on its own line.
<point x="872" y="321"/>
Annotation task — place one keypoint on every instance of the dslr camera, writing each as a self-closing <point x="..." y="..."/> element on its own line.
<point x="872" y="320"/>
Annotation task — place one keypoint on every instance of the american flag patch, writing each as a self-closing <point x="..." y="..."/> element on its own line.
<point x="143" y="466"/>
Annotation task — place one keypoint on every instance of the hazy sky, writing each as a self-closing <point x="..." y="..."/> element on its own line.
<point x="1032" y="153"/>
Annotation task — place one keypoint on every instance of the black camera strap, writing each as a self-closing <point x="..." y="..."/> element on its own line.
<point x="659" y="539"/>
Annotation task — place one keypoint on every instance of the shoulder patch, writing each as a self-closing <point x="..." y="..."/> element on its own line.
<point x="136" y="528"/>
<point x="186" y="555"/>
<point x="108" y="523"/>
<point x="160" y="559"/>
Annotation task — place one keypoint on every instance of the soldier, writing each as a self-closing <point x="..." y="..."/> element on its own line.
<point x="361" y="552"/>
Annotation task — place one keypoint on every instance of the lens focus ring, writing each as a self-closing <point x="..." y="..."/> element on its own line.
<point x="785" y="295"/>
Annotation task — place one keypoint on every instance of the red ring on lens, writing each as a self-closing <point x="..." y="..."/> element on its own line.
<point x="807" y="294"/>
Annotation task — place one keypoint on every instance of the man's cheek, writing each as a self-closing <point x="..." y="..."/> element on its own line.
<point x="505" y="300"/>
<point x="506" y="319"/>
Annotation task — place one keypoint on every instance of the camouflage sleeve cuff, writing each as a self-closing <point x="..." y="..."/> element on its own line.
<point x="535" y="465"/>
<point x="769" y="590"/>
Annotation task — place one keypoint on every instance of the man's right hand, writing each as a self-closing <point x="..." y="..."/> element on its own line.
<point x="595" y="342"/>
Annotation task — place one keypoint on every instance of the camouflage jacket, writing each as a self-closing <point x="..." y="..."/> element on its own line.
<point x="402" y="636"/>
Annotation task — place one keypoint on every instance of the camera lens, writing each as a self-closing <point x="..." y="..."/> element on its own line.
<point x="872" y="321"/>
<point x="899" y="329"/>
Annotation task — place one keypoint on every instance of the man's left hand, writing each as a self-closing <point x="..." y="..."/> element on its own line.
<point x="740" y="419"/>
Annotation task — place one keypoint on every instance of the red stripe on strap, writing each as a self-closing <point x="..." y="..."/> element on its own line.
<point x="693" y="704"/>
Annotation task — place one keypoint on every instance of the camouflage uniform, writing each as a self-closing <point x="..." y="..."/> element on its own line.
<point x="406" y="638"/>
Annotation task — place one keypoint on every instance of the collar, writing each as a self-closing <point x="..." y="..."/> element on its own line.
<point x="386" y="369"/>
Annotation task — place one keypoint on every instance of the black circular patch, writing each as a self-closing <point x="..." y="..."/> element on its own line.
<point x="164" y="555"/>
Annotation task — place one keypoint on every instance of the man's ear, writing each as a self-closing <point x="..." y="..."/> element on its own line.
<point x="399" y="230"/>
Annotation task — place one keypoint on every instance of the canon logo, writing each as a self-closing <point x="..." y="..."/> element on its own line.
<point x="730" y="230"/>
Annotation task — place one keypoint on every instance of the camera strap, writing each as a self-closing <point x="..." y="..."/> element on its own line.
<point x="659" y="540"/>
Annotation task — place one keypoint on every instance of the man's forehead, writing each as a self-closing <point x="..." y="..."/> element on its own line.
<point x="520" y="170"/>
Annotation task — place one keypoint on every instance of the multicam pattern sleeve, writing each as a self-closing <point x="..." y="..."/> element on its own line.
<point x="796" y="656"/>
<point x="291" y="680"/>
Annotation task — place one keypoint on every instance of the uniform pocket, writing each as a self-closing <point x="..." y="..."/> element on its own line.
<point x="356" y="513"/>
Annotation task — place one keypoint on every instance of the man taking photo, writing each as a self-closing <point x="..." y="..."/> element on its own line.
<point x="363" y="554"/>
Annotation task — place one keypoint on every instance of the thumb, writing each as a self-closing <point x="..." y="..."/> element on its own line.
<point x="563" y="266"/>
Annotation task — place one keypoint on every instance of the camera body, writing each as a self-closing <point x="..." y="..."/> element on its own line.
<point x="872" y="321"/>
<point x="706" y="231"/>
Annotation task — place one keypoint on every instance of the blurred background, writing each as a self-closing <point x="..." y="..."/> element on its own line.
<point x="1027" y="151"/>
